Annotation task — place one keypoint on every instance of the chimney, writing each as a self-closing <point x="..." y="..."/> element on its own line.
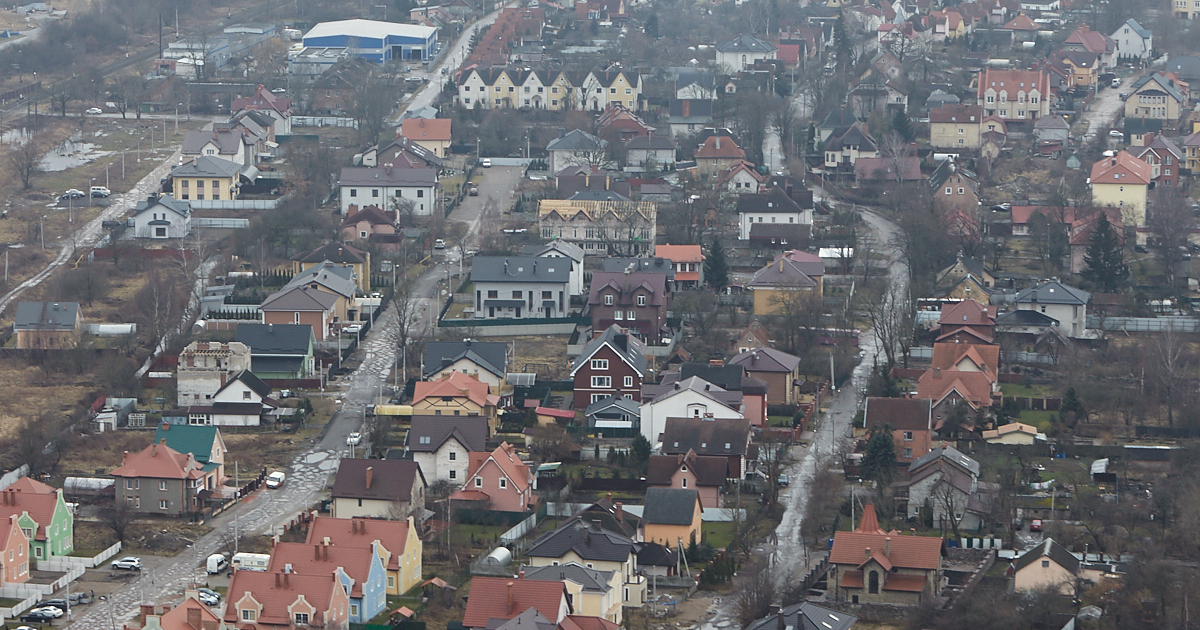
<point x="317" y="551"/>
<point x="718" y="145"/>
<point x="619" y="512"/>
<point x="277" y="580"/>
<point x="285" y="580"/>
<point x="510" y="598"/>
<point x="325" y="552"/>
<point x="370" y="475"/>
<point x="193" y="618"/>
<point x="687" y="108"/>
<point x="154" y="449"/>
<point x="521" y="575"/>
<point x="866" y="552"/>
<point x="887" y="546"/>
<point x="716" y="363"/>
<point x="780" y="622"/>
<point x="143" y="610"/>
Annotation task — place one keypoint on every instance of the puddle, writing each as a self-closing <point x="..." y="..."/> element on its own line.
<point x="71" y="153"/>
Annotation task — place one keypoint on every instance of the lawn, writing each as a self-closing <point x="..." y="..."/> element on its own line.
<point x="1017" y="390"/>
<point x="718" y="535"/>
<point x="779" y="421"/>
<point x="1040" y="419"/>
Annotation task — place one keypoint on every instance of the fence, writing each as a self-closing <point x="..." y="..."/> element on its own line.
<point x="67" y="563"/>
<point x="11" y="477"/>
<point x="233" y="204"/>
<point x="12" y="612"/>
<point x="1145" y="324"/>
<point x="519" y="530"/>
<point x="323" y="121"/>
<point x="219" y="223"/>
<point x="516" y="327"/>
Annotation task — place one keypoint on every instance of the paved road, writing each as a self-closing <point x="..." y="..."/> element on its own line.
<point x="1105" y="108"/>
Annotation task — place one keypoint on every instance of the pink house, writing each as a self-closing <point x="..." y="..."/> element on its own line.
<point x="14" y="555"/>
<point x="704" y="474"/>
<point x="360" y="225"/>
<point x="497" y="481"/>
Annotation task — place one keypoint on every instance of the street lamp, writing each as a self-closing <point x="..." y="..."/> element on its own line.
<point x="42" y="230"/>
<point x="91" y="183"/>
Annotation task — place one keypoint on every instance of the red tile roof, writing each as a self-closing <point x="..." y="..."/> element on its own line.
<point x="1013" y="81"/>
<point x="579" y="622"/>
<point x="29" y="484"/>
<point x="320" y="560"/>
<point x="361" y="532"/>
<point x="14" y="502"/>
<point x="975" y="387"/>
<point x="967" y="313"/>
<point x="181" y="617"/>
<point x="1122" y="168"/>
<point x="276" y="591"/>
<point x="436" y="129"/>
<point x="906" y="552"/>
<point x="506" y="458"/>
<point x="159" y="461"/>
<point x="505" y="598"/>
<point x="456" y="384"/>
<point x="947" y="356"/>
<point x="679" y="253"/>
<point x="718" y="147"/>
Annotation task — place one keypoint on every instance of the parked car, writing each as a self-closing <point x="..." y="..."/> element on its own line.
<point x="129" y="563"/>
<point x="1116" y="134"/>
<point x="275" y="479"/>
<point x="1002" y="207"/>
<point x="353" y="439"/>
<point x="352" y="329"/>
<point x="439" y="244"/>
<point x="58" y="603"/>
<point x="1116" y="82"/>
<point x="38" y="615"/>
<point x="1141" y="249"/>
<point x="93" y="111"/>
<point x="286" y="393"/>
<point x="474" y="192"/>
<point x="53" y="611"/>
<point x="206" y="599"/>
<point x="1035" y="525"/>
<point x="100" y="191"/>
<point x="782" y="479"/>
<point x="209" y="591"/>
<point x="71" y="194"/>
<point x="486" y="162"/>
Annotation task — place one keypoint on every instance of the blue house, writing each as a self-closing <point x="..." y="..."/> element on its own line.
<point x="378" y="41"/>
<point x="360" y="570"/>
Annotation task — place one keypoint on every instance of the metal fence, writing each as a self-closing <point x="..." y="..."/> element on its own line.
<point x="519" y="530"/>
<point x="323" y="121"/>
<point x="1177" y="323"/>
<point x="220" y="223"/>
<point x="232" y="204"/>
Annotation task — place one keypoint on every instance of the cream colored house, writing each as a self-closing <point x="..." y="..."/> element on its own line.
<point x="1046" y="565"/>
<point x="1156" y="96"/>
<point x="549" y="89"/>
<point x="592" y="593"/>
<point x="1014" y="95"/>
<point x="399" y="547"/>
<point x="1122" y="181"/>
<point x="955" y="126"/>
<point x="593" y="547"/>
<point x="1012" y="433"/>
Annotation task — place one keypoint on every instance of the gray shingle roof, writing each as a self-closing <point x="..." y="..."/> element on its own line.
<point x="46" y="316"/>
<point x="337" y="278"/>
<point x="228" y="141"/>
<point x="1168" y="86"/>
<point x="622" y="404"/>
<point x="275" y="338"/>
<point x="950" y="453"/>
<point x="766" y="359"/>
<point x="1053" y="292"/>
<point x="489" y="355"/>
<point x="587" y="541"/>
<point x="805" y="616"/>
<point x="519" y="269"/>
<point x="746" y="43"/>
<point x="706" y="436"/>
<point x="1137" y="28"/>
<point x="207" y="166"/>
<point x="590" y="579"/>
<point x="1025" y="317"/>
<point x="1052" y="551"/>
<point x="669" y="506"/>
<point x="387" y="176"/>
<point x="178" y="206"/>
<point x="471" y="431"/>
<point x="577" y="140"/>
<point x="624" y="344"/>
<point x="298" y="298"/>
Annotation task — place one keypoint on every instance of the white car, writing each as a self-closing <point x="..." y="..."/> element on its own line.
<point x="275" y="479"/>
<point x="129" y="563"/>
<point x="1116" y="133"/>
<point x="352" y="329"/>
<point x="53" y="611"/>
<point x="439" y="244"/>
<point x="353" y="439"/>
<point x="486" y="162"/>
<point x="207" y="599"/>
<point x="94" y="111"/>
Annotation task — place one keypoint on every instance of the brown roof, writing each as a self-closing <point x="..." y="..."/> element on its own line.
<point x="507" y="459"/>
<point x="182" y="616"/>
<point x="903" y="414"/>
<point x="947" y="356"/>
<point x="906" y="552"/>
<point x="436" y="129"/>
<point x="275" y="591"/>
<point x="505" y="598"/>
<point x="159" y="461"/>
<point x="370" y="214"/>
<point x="318" y="559"/>
<point x="455" y="384"/>
<point x="379" y="479"/>
<point x="361" y="532"/>
<point x="29" y="484"/>
<point x="975" y="387"/>
<point x="709" y="471"/>
<point x="967" y="313"/>
<point x="1121" y="168"/>
<point x="579" y="622"/>
<point x="718" y="147"/>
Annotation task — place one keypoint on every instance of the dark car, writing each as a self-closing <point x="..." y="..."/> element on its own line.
<point x="38" y="616"/>
<point x="1141" y="249"/>
<point x="60" y="604"/>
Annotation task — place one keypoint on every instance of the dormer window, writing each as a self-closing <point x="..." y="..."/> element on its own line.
<point x="608" y="299"/>
<point x="249" y="614"/>
<point x="641" y="300"/>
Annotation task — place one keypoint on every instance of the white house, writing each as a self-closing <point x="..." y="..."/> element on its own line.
<point x="1054" y="299"/>
<point x="558" y="248"/>
<point x="772" y="206"/>
<point x="240" y="402"/>
<point x="161" y="217"/>
<point x="441" y="445"/>
<point x="650" y="153"/>
<point x="690" y="398"/>
<point x="205" y="367"/>
<point x="520" y="287"/>
<point x="389" y="188"/>
<point x="221" y="142"/>
<point x="577" y="148"/>
<point x="742" y="52"/>
<point x="1134" y="43"/>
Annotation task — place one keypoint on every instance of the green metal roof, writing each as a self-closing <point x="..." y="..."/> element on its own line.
<point x="186" y="438"/>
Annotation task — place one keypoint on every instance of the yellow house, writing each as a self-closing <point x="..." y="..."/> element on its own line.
<point x="1012" y="433"/>
<point x="400" y="546"/>
<point x="672" y="517"/>
<point x="955" y="126"/>
<point x="340" y="254"/>
<point x="787" y="282"/>
<point x="1048" y="565"/>
<point x="1157" y="95"/>
<point x="542" y="89"/>
<point x="431" y="133"/>
<point x="1186" y="9"/>
<point x="1191" y="151"/>
<point x="593" y="547"/>
<point x="205" y="178"/>
<point x="1122" y="181"/>
<point x="592" y="593"/>
<point x="456" y="395"/>
<point x="1081" y="65"/>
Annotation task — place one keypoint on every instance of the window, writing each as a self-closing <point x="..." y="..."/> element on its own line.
<point x="599" y="364"/>
<point x="1045" y="564"/>
<point x="960" y="191"/>
<point x="602" y="381"/>
<point x="547" y="295"/>
<point x="133" y="484"/>
<point x="453" y="474"/>
<point x="164" y="504"/>
<point x="684" y="482"/>
<point x="641" y="300"/>
<point x="249" y="614"/>
<point x="949" y="190"/>
<point x="608" y="299"/>
<point x="353" y="193"/>
<point x="628" y="381"/>
<point x="503" y="483"/>
<point x="353" y="609"/>
<point x="908" y="453"/>
<point x="478" y="482"/>
<point x="874" y="583"/>
<point x="162" y="486"/>
<point x="516" y="295"/>
<point x="302" y="618"/>
<point x="908" y="436"/>
<point x="493" y="294"/>
<point x="630" y="315"/>
<point x="619" y="315"/>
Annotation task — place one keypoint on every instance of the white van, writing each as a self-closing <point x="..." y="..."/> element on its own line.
<point x="216" y="563"/>
<point x="251" y="561"/>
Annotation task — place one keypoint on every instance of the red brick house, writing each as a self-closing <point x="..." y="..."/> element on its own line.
<point x="612" y="364"/>
<point x="911" y="420"/>
<point x="636" y="301"/>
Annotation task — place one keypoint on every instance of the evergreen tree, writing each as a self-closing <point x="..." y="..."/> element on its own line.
<point x="1071" y="402"/>
<point x="716" y="268"/>
<point x="903" y="126"/>
<point x="879" y="462"/>
<point x="652" y="25"/>
<point x="842" y="47"/>
<point x="1106" y="269"/>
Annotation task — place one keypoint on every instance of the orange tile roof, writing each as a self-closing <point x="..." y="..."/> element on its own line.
<point x="437" y="129"/>
<point x="1013" y="81"/>
<point x="975" y="387"/>
<point x="505" y="598"/>
<point x="947" y="356"/>
<point x="679" y="253"/>
<point x="1122" y="168"/>
<point x="276" y="591"/>
<point x="579" y="622"/>
<point x="506" y="458"/>
<point x="456" y="384"/>
<point x="906" y="552"/>
<point x="320" y="560"/>
<point x="901" y="582"/>
<point x="361" y="532"/>
<point x="159" y="461"/>
<point x="29" y="484"/>
<point x="967" y="313"/>
<point x="718" y="147"/>
<point x="40" y="507"/>
<point x="178" y="617"/>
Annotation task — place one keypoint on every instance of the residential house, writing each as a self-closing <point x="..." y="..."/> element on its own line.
<point x="341" y="254"/>
<point x="42" y="515"/>
<point x="742" y="52"/>
<point x="835" y="123"/>
<point x="1191" y="148"/>
<point x="911" y="421"/>
<point x="359" y="569"/>
<point x="604" y="224"/>
<point x="220" y="142"/>
<point x="1080" y="234"/>
<point x="335" y="92"/>
<point x="728" y="438"/>
<point x="956" y="126"/>
<point x="778" y="369"/>
<point x="966" y="322"/>
<point x="671" y="517"/>
<point x="611" y="364"/>
<point x="441" y="445"/>
<point x="688" y="116"/>
<point x="278" y="600"/>
<point x="1157" y="95"/>
<point x="962" y="267"/>
<point x="755" y="335"/>
<point x="636" y="301"/>
<point x="498" y="481"/>
<point x="1187" y="68"/>
<point x="1014" y="95"/>
<point x="793" y="277"/>
<point x="577" y="148"/>
<point x="1066" y="304"/>
<point x="614" y="416"/>
<point x="656" y="265"/>
<point x="689" y="264"/>
<point x="160" y="480"/>
<point x="947" y="389"/>
<point x="618" y="122"/>
<point x="1084" y="39"/>
<point x="871" y="566"/>
<point x="955" y="192"/>
<point x="204" y="443"/>
<point x="378" y="488"/>
<point x="47" y="325"/>
<point x="905" y="168"/>
<point x="732" y="378"/>
<point x="1048" y="565"/>
<point x="485" y="88"/>
<point x="705" y="475"/>
<point x="520" y="287"/>
<point x="485" y="361"/>
<point x="405" y="191"/>
<point x="432" y="134"/>
<point x="650" y="153"/>
<point x="278" y="351"/>
<point x="495" y="600"/>
<point x="804" y="615"/>
<point x="1164" y="158"/>
<point x="397" y="542"/>
<point x="1021" y="28"/>
<point x="161" y="217"/>
<point x="14" y="553"/>
<point x="400" y="153"/>
<point x="694" y="84"/>
<point x="190" y="614"/>
<point x="558" y="249"/>
<point x="1136" y="130"/>
<point x="876" y="91"/>
<point x="1013" y="433"/>
<point x="592" y="593"/>
<point x="1185" y="9"/>
<point x="948" y="25"/>
<point x="587" y="543"/>
<point x="842" y="151"/>
<point x="334" y="279"/>
<point x="456" y="394"/>
<point x="1082" y="67"/>
<point x="717" y="154"/>
<point x="741" y="178"/>
<point x="691" y="397"/>
<point x="773" y="206"/>
<point x="302" y="305"/>
<point x="240" y="402"/>
<point x="1051" y="129"/>
<point x="205" y="178"/>
<point x="1123" y="181"/>
<point x="362" y="224"/>
<point x="277" y="107"/>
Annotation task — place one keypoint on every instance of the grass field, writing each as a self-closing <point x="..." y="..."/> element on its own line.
<point x="1022" y="391"/>
<point x="718" y="535"/>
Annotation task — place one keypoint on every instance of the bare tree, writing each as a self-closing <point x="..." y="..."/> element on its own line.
<point x="159" y="302"/>
<point x="796" y="318"/>
<point x="892" y="314"/>
<point x="118" y="519"/>
<point x="39" y="442"/>
<point x="951" y="506"/>
<point x="408" y="316"/>
<point x="756" y="594"/>
<point x="894" y="148"/>
<point x="374" y="99"/>
<point x="1170" y="221"/>
<point x="25" y="160"/>
<point x="1172" y="365"/>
